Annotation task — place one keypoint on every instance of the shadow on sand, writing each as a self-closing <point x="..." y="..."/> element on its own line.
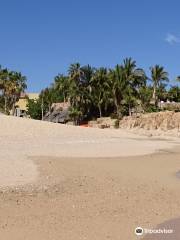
<point x="173" y="224"/>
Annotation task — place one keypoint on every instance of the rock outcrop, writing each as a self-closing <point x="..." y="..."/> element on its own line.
<point x="164" y="121"/>
<point x="104" y="122"/>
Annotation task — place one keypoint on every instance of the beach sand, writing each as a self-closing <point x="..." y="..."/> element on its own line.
<point x="65" y="182"/>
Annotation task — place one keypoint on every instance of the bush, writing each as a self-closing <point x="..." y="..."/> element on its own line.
<point x="116" y="124"/>
<point x="152" y="108"/>
<point x="114" y="116"/>
<point x="34" y="109"/>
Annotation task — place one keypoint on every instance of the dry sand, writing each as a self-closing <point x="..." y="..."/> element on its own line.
<point x="65" y="182"/>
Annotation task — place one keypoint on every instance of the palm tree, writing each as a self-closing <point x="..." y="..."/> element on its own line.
<point x="88" y="73"/>
<point x="62" y="85"/>
<point x="4" y="76"/>
<point x="134" y="78"/>
<point x="145" y="96"/>
<point x="75" y="75"/>
<point x="174" y="94"/>
<point x="100" y="88"/>
<point x="75" y="92"/>
<point x="75" y="71"/>
<point x="158" y="75"/>
<point x="47" y="97"/>
<point x="12" y="84"/>
<point x="16" y="85"/>
<point x="118" y="86"/>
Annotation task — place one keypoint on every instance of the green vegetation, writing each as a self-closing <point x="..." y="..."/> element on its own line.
<point x="95" y="92"/>
<point x="158" y="75"/>
<point x="12" y="84"/>
<point x="34" y="109"/>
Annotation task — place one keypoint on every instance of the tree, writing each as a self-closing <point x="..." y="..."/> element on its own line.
<point x="162" y="93"/>
<point x="4" y="76"/>
<point x="118" y="86"/>
<point x="100" y="88"/>
<point x="88" y="73"/>
<point x="75" y="115"/>
<point x="174" y="94"/>
<point x="145" y="95"/>
<point x="16" y="85"/>
<point x="79" y="89"/>
<point x="62" y="85"/>
<point x="158" y="75"/>
<point x="34" y="108"/>
<point x="134" y="78"/>
<point x="12" y="84"/>
<point x="47" y="98"/>
<point x="75" y="77"/>
<point x="101" y="92"/>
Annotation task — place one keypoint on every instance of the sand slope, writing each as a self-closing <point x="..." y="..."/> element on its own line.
<point x="22" y="138"/>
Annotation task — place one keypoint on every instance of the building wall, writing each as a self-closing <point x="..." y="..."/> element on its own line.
<point x="22" y="103"/>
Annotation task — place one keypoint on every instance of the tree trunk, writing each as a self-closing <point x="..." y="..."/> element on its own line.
<point x="100" y="110"/>
<point x="49" y="112"/>
<point x="105" y="109"/>
<point x="64" y="98"/>
<point x="117" y="111"/>
<point x="154" y="97"/>
<point x="49" y="107"/>
<point x="130" y="110"/>
<point x="13" y="108"/>
<point x="13" y="105"/>
<point x="42" y="110"/>
<point x="117" y="108"/>
<point x="5" y="104"/>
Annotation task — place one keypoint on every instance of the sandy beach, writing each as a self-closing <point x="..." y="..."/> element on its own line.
<point x="65" y="182"/>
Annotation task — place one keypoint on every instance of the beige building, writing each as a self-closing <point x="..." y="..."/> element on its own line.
<point x="21" y="105"/>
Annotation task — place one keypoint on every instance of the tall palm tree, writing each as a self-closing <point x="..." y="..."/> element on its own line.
<point x="100" y="88"/>
<point x="62" y="85"/>
<point x="12" y="84"/>
<point x="16" y="85"/>
<point x="75" y="76"/>
<point x="4" y="85"/>
<point x="86" y="89"/>
<point x="87" y="72"/>
<point x="75" y="71"/>
<point x="134" y="78"/>
<point x="118" y="86"/>
<point x="158" y="75"/>
<point x="76" y="91"/>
